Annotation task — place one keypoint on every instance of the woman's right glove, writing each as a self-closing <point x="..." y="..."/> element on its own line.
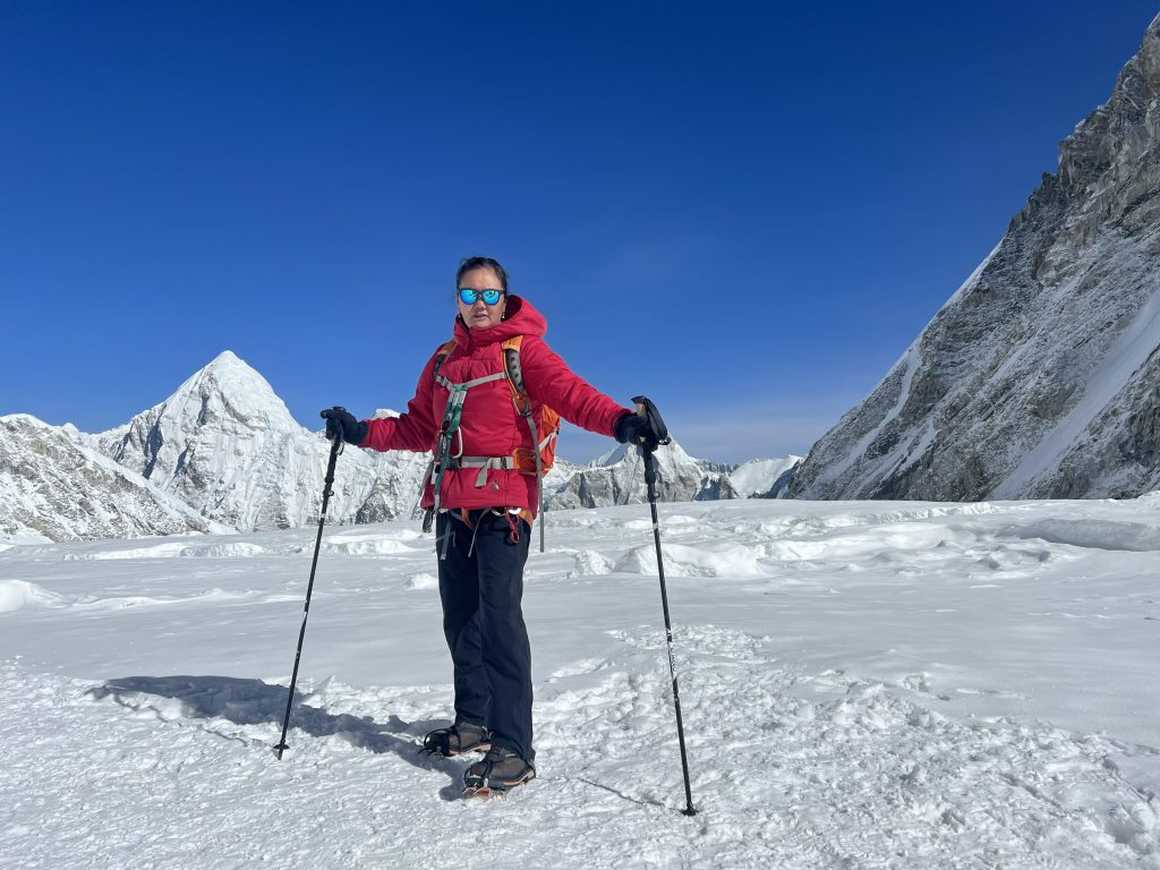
<point x="340" y="423"/>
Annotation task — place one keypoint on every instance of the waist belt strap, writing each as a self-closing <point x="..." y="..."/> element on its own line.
<point x="484" y="463"/>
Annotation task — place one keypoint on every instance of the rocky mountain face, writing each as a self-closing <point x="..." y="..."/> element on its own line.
<point x="1039" y="377"/>
<point x="54" y="488"/>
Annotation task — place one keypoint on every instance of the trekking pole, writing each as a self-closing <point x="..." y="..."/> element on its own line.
<point x="335" y="449"/>
<point x="658" y="435"/>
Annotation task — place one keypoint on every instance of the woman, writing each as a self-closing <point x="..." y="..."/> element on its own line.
<point x="485" y="503"/>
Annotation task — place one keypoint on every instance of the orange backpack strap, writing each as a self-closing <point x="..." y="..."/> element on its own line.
<point x="510" y="351"/>
<point x="550" y="420"/>
<point x="442" y="354"/>
<point x="515" y="375"/>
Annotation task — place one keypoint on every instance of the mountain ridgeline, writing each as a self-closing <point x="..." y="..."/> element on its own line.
<point x="223" y="452"/>
<point x="1039" y="376"/>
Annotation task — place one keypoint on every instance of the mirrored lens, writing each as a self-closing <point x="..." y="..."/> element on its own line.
<point x="470" y="294"/>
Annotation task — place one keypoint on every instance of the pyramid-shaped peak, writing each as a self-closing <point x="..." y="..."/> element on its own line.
<point x="238" y="386"/>
<point x="227" y="365"/>
<point x="227" y="358"/>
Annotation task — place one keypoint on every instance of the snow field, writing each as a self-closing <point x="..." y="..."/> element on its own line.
<point x="864" y="685"/>
<point x="780" y="780"/>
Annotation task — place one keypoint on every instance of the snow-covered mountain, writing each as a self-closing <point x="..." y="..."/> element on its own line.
<point x="763" y="478"/>
<point x="1038" y="377"/>
<point x="226" y="444"/>
<point x="223" y="452"/>
<point x="54" y="488"/>
<point x="617" y="477"/>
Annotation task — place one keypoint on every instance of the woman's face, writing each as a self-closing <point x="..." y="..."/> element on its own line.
<point x="480" y="315"/>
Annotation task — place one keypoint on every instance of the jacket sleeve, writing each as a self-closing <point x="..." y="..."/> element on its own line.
<point x="549" y="380"/>
<point x="413" y="430"/>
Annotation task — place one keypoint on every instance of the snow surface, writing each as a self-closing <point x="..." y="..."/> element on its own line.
<point x="865" y="684"/>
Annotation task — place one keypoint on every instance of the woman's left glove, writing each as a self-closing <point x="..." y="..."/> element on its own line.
<point x="340" y="423"/>
<point x="630" y="427"/>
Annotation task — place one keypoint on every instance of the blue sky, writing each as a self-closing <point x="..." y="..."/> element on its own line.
<point x="745" y="211"/>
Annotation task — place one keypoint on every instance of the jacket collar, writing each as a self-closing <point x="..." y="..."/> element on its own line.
<point x="521" y="319"/>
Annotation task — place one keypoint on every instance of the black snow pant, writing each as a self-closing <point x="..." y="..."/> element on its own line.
<point x="481" y="582"/>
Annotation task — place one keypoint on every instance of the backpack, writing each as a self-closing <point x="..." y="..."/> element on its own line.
<point x="543" y="426"/>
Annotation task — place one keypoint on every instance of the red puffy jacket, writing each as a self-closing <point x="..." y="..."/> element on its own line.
<point x="490" y="424"/>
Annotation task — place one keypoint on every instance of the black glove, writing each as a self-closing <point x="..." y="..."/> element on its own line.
<point x="341" y="423"/>
<point x="631" y="427"/>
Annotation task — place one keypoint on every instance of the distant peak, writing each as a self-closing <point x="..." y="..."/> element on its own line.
<point x="243" y="389"/>
<point x="227" y="358"/>
<point x="229" y="368"/>
<point x="672" y="452"/>
<point x="27" y="419"/>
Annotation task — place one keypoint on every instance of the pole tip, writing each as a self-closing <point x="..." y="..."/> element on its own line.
<point x="688" y="811"/>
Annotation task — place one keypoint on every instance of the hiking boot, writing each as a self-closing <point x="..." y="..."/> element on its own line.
<point x="459" y="738"/>
<point x="500" y="770"/>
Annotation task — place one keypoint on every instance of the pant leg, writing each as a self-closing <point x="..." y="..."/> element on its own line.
<point x="459" y="593"/>
<point x="507" y="655"/>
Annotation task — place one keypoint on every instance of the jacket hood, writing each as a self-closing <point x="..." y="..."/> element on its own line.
<point x="521" y="319"/>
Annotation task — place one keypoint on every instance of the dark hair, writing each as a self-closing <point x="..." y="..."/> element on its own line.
<point x="470" y="263"/>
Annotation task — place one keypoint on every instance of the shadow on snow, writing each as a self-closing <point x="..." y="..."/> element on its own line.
<point x="253" y="702"/>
